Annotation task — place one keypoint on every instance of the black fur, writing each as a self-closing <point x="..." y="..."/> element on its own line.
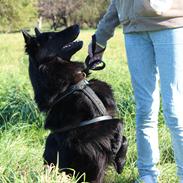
<point x="88" y="149"/>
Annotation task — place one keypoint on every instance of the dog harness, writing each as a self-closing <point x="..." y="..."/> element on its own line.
<point x="83" y="87"/>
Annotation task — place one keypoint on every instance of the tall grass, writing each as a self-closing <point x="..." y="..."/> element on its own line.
<point x="22" y="136"/>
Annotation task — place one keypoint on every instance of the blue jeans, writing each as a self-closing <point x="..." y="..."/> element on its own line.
<point x="157" y="57"/>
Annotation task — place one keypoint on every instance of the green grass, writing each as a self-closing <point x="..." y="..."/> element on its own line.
<point x="22" y="136"/>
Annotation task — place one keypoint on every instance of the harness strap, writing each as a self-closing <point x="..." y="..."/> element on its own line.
<point x="96" y="101"/>
<point x="84" y="123"/>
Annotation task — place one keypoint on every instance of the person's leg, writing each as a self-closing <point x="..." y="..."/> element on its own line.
<point x="144" y="76"/>
<point x="168" y="46"/>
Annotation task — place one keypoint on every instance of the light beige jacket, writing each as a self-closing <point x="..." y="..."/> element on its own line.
<point x="139" y="15"/>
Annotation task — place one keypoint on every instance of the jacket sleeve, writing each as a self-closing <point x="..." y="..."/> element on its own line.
<point x="107" y="25"/>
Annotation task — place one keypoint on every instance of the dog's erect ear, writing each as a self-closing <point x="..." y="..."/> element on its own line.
<point x="27" y="36"/>
<point x="37" y="31"/>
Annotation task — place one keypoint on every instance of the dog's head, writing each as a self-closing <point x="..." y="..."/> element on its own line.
<point x="43" y="49"/>
<point x="52" y="44"/>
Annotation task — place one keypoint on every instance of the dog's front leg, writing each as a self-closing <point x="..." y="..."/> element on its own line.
<point x="51" y="149"/>
<point x="119" y="146"/>
<point x="120" y="158"/>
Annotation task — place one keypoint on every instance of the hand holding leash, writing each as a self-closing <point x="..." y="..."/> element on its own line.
<point x="94" y="58"/>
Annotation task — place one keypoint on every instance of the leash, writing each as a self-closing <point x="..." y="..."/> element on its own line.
<point x="96" y="64"/>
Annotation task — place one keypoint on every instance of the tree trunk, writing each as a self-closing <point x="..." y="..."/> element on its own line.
<point x="39" y="22"/>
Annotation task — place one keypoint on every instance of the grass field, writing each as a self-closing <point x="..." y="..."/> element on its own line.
<point x="22" y="136"/>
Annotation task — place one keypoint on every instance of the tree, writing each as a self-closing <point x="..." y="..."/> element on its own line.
<point x="16" y="14"/>
<point x="67" y="12"/>
<point x="58" y="11"/>
<point x="90" y="12"/>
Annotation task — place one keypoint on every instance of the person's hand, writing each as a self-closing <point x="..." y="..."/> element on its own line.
<point x="96" y="54"/>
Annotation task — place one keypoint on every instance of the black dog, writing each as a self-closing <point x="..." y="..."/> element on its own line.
<point x="85" y="135"/>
